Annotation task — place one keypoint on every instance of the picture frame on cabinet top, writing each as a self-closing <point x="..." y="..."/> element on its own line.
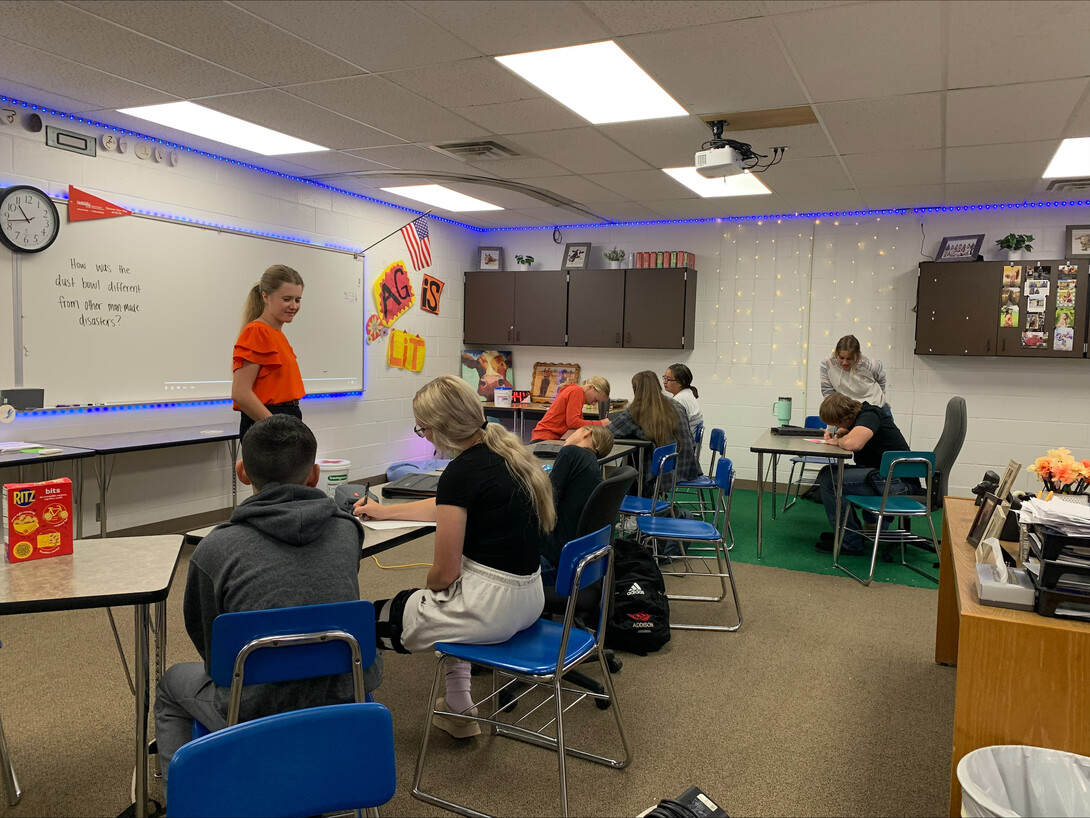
<point x="960" y="248"/>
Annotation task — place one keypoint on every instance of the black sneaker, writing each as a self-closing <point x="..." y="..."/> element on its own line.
<point x="824" y="546"/>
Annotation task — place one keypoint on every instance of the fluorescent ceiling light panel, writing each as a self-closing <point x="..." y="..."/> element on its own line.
<point x="1072" y="159"/>
<point x="440" y="196"/>
<point x="598" y="81"/>
<point x="201" y="121"/>
<point x="742" y="184"/>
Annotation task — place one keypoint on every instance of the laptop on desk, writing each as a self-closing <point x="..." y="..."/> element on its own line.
<point x="796" y="431"/>
<point x="412" y="485"/>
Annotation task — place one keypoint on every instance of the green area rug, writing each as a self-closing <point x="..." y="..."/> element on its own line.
<point x="789" y="542"/>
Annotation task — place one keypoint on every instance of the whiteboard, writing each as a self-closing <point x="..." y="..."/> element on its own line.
<point x="132" y="309"/>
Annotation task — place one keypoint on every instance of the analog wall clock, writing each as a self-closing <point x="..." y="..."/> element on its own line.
<point x="28" y="219"/>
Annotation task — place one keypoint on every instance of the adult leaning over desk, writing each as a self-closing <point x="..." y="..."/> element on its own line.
<point x="853" y="374"/>
<point x="266" y="379"/>
<point x="493" y="509"/>
<point x="870" y="432"/>
<point x="566" y="412"/>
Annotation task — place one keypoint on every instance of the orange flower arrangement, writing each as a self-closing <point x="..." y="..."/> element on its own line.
<point x="1061" y="472"/>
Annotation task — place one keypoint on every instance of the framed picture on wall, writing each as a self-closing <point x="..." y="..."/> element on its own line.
<point x="960" y="248"/>
<point x="576" y="255"/>
<point x="489" y="258"/>
<point x="1078" y="241"/>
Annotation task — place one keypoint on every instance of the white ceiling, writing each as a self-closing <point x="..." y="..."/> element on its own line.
<point x="918" y="103"/>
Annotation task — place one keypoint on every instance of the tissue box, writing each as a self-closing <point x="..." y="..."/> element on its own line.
<point x="37" y="519"/>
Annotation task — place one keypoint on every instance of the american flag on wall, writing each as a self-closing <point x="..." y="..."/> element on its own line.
<point x="416" y="238"/>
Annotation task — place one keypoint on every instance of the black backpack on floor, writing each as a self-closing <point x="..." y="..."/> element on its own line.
<point x="640" y="619"/>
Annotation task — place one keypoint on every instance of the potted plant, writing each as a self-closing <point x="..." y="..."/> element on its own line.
<point x="615" y="257"/>
<point x="1014" y="244"/>
<point x="524" y="260"/>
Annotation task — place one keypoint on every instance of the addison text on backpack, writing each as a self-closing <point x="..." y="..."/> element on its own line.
<point x="640" y="619"/>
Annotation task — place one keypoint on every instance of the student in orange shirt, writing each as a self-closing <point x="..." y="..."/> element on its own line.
<point x="566" y="413"/>
<point x="266" y="378"/>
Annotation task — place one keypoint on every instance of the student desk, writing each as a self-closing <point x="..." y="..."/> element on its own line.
<point x="133" y="571"/>
<point x="22" y="460"/>
<point x="105" y="447"/>
<point x="518" y="412"/>
<point x="778" y="445"/>
<point x="1022" y="678"/>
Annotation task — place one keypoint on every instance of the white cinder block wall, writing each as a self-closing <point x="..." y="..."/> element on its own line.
<point x="774" y="295"/>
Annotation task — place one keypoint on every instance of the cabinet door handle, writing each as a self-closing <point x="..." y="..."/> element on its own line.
<point x="518" y="335"/>
<point x="628" y="337"/>
<point x="618" y="341"/>
<point x="988" y="345"/>
<point x="509" y="333"/>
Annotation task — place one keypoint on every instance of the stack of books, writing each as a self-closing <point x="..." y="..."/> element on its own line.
<point x="665" y="258"/>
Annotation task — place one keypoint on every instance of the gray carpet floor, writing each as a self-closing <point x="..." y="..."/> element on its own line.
<point x="827" y="702"/>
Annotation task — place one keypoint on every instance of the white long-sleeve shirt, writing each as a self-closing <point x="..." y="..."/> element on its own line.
<point x="866" y="381"/>
<point x="687" y="399"/>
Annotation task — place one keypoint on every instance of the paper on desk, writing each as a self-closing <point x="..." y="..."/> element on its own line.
<point x="16" y="446"/>
<point x="1072" y="519"/>
<point x="389" y="525"/>
<point x="814" y="439"/>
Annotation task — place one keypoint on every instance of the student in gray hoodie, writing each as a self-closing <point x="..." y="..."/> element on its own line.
<point x="289" y="544"/>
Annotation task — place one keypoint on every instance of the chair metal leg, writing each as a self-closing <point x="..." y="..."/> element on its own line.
<point x="11" y="783"/>
<point x="724" y="573"/>
<point x="787" y="501"/>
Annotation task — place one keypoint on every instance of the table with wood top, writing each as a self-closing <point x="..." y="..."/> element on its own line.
<point x="1022" y="678"/>
<point x="134" y="571"/>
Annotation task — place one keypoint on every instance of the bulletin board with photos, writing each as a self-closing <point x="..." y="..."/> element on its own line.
<point x="1042" y="308"/>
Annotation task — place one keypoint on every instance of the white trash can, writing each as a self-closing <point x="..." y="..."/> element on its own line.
<point x="1017" y="781"/>
<point x="332" y="473"/>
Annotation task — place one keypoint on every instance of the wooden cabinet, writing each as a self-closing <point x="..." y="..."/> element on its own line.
<point x="1035" y="308"/>
<point x="519" y="307"/>
<point x="652" y="308"/>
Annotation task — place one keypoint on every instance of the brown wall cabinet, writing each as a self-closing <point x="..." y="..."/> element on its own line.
<point x="653" y="308"/>
<point x="1001" y="308"/>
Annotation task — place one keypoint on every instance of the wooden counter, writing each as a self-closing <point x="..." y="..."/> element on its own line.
<point x="1022" y="678"/>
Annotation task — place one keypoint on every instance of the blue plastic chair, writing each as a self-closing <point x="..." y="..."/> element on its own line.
<point x="704" y="486"/>
<point x="286" y="644"/>
<point x="804" y="460"/>
<point x="688" y="533"/>
<point x="633" y="506"/>
<point x="289" y="765"/>
<point x="698" y="439"/>
<point x="891" y="506"/>
<point x="536" y="660"/>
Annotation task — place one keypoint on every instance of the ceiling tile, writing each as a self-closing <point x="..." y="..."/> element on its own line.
<point x="1007" y="190"/>
<point x="580" y="150"/>
<point x="991" y="163"/>
<point x="866" y="49"/>
<point x="23" y="67"/>
<point x="639" y="16"/>
<point x="576" y="188"/>
<point x="823" y="202"/>
<point x="891" y="169"/>
<point x="807" y="174"/>
<point x="623" y="211"/>
<point x="284" y="112"/>
<point x="886" y="198"/>
<point x="227" y="36"/>
<point x="802" y="141"/>
<point x="416" y="157"/>
<point x="699" y="208"/>
<point x="642" y="185"/>
<point x="67" y="32"/>
<point x="540" y="114"/>
<point x="378" y="35"/>
<point x="982" y="116"/>
<point x="333" y="162"/>
<point x="467" y="82"/>
<point x="903" y="123"/>
<point x="719" y="68"/>
<point x="662" y="143"/>
<point x="510" y="28"/>
<point x="1033" y="41"/>
<point x="520" y="167"/>
<point x="388" y="108"/>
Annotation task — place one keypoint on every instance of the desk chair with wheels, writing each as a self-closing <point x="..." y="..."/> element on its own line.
<point x="286" y="644"/>
<point x="803" y="460"/>
<point x="289" y="765"/>
<point x="891" y="506"/>
<point x="688" y="533"/>
<point x="539" y="657"/>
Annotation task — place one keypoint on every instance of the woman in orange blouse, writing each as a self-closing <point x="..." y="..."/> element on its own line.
<point x="266" y="378"/>
<point x="566" y="412"/>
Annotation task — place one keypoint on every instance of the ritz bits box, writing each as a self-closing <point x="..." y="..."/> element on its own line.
<point x="37" y="519"/>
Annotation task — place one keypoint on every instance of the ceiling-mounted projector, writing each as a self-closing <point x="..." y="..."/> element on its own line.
<point x="719" y="162"/>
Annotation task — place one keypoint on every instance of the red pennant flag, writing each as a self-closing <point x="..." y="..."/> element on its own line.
<point x="82" y="205"/>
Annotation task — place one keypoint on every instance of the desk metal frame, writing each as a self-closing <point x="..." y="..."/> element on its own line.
<point x="106" y="447"/>
<point x="777" y="445"/>
<point x="135" y="571"/>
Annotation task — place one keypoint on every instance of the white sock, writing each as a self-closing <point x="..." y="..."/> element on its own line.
<point x="458" y="684"/>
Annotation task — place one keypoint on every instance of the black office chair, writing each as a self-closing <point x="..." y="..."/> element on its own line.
<point x="601" y="510"/>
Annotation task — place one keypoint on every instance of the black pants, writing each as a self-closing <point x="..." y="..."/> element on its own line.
<point x="245" y="421"/>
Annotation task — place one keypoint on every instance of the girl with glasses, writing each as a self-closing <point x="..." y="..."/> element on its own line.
<point x="678" y="381"/>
